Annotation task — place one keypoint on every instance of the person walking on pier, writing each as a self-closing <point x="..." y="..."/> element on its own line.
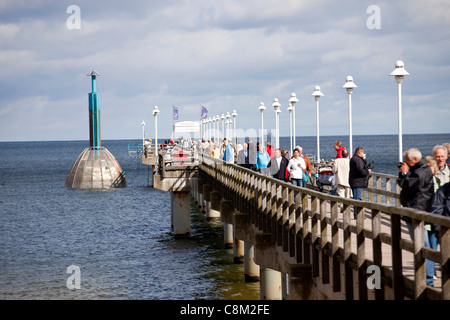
<point x="341" y="170"/>
<point x="252" y="154"/>
<point x="434" y="168"/>
<point x="339" y="148"/>
<point x="296" y="167"/>
<point x="440" y="155"/>
<point x="447" y="145"/>
<point x="307" y="161"/>
<point x="278" y="166"/>
<point x="243" y="156"/>
<point x="416" y="180"/>
<point x="440" y="205"/>
<point x="358" y="173"/>
<point x="269" y="150"/>
<point x="262" y="160"/>
<point x="228" y="153"/>
<point x="215" y="152"/>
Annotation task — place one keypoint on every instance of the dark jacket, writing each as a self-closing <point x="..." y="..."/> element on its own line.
<point x="278" y="172"/>
<point x="417" y="187"/>
<point x="243" y="160"/>
<point x="441" y="202"/>
<point x="358" y="172"/>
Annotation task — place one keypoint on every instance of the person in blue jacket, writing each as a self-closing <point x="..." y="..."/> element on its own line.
<point x="262" y="160"/>
<point x="228" y="154"/>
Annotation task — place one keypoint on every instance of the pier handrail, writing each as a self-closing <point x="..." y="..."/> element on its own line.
<point x="289" y="212"/>
<point x="382" y="187"/>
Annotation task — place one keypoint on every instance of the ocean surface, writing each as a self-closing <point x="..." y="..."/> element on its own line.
<point x="121" y="240"/>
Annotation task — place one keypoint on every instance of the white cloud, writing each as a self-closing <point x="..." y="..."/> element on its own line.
<point x="225" y="55"/>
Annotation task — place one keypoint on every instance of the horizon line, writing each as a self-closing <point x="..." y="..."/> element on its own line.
<point x="313" y="136"/>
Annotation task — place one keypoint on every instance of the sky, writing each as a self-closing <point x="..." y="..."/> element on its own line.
<point x="225" y="55"/>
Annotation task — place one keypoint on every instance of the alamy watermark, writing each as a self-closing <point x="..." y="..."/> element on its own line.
<point x="73" y="22"/>
<point x="374" y="280"/>
<point x="374" y="20"/>
<point x="74" y="280"/>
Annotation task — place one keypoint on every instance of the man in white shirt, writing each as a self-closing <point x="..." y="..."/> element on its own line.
<point x="341" y="169"/>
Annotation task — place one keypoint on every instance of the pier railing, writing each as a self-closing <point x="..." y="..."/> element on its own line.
<point x="339" y="237"/>
<point x="382" y="188"/>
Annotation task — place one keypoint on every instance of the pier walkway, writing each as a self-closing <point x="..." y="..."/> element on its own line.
<point x="307" y="244"/>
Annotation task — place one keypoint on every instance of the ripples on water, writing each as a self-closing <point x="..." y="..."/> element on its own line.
<point x="121" y="239"/>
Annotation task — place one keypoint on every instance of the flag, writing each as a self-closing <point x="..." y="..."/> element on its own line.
<point x="204" y="113"/>
<point x="175" y="113"/>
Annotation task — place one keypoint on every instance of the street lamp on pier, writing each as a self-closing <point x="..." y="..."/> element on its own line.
<point x="234" y="114"/>
<point x="399" y="73"/>
<point x="290" y="109"/>
<point x="276" y="106"/>
<point x="143" y="136"/>
<point x="293" y="101"/>
<point x="223" y="125"/>
<point x="217" y="128"/>
<point x="261" y="109"/>
<point x="317" y="94"/>
<point x="155" y="114"/>
<point x="228" y="116"/>
<point x="349" y="86"/>
<point x="214" y="128"/>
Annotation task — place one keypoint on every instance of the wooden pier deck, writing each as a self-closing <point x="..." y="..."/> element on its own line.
<point x="314" y="238"/>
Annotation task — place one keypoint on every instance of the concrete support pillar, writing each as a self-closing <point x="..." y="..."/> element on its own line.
<point x="251" y="269"/>
<point x="270" y="284"/>
<point x="228" y="237"/>
<point x="214" y="210"/>
<point x="238" y="250"/>
<point x="200" y="193"/>
<point x="206" y="198"/>
<point x="226" y="215"/>
<point x="181" y="213"/>
<point x="194" y="192"/>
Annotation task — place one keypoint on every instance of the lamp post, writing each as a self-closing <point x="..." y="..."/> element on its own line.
<point x="214" y="128"/>
<point x="293" y="100"/>
<point x="203" y="129"/>
<point x="223" y="125"/>
<point x="209" y="128"/>
<point x="261" y="109"/>
<point x="317" y="94"/>
<point x="349" y="86"/>
<point x="399" y="73"/>
<point x="290" y="109"/>
<point x="143" y="136"/>
<point x="234" y="114"/>
<point x="155" y="114"/>
<point x="276" y="106"/>
<point x="217" y="128"/>
<point x="228" y="116"/>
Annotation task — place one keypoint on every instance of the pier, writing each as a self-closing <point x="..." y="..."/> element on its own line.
<point x="300" y="243"/>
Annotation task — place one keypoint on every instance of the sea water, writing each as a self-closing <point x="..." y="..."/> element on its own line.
<point x="121" y="240"/>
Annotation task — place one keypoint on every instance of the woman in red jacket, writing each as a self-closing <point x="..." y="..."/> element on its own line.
<point x="270" y="150"/>
<point x="339" y="148"/>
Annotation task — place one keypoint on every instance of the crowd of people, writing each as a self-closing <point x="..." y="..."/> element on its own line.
<point x="424" y="185"/>
<point x="424" y="181"/>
